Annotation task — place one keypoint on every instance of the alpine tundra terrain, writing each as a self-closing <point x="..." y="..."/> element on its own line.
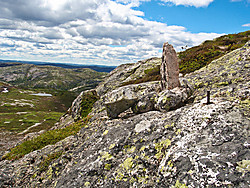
<point x="130" y="132"/>
<point x="33" y="98"/>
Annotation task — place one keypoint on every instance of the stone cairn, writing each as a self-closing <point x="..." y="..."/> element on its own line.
<point x="169" y="68"/>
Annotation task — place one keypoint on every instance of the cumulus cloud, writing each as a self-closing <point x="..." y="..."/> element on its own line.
<point x="91" y="32"/>
<point x="246" y="25"/>
<point x="195" y="3"/>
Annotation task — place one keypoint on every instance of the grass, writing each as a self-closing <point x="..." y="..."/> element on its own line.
<point x="43" y="166"/>
<point x="88" y="99"/>
<point x="20" y="122"/>
<point x="53" y="136"/>
<point x="150" y="75"/>
<point x="199" y="56"/>
<point x="50" y="137"/>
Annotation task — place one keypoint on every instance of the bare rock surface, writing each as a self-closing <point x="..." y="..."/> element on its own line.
<point x="123" y="98"/>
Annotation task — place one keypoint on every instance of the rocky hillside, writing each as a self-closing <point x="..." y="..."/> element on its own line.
<point x="34" y="76"/>
<point x="192" y="144"/>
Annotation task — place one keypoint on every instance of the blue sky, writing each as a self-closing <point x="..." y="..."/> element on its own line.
<point x="112" y="32"/>
<point x="221" y="16"/>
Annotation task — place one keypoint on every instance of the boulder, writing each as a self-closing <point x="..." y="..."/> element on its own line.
<point x="165" y="100"/>
<point x="146" y="103"/>
<point x="174" y="98"/>
<point x="125" y="97"/>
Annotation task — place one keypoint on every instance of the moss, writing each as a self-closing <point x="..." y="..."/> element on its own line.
<point x="88" y="100"/>
<point x="43" y="166"/>
<point x="152" y="74"/>
<point x="49" y="137"/>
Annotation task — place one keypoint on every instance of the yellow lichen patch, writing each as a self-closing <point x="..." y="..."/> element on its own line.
<point x="178" y="131"/>
<point x="105" y="132"/>
<point x="168" y="126"/>
<point x="87" y="184"/>
<point x="180" y="185"/>
<point x="119" y="176"/>
<point x="107" y="166"/>
<point x="111" y="146"/>
<point x="132" y="149"/>
<point x="127" y="164"/>
<point x="142" y="148"/>
<point x="161" y="146"/>
<point x="243" y="166"/>
<point x="105" y="155"/>
<point x="170" y="164"/>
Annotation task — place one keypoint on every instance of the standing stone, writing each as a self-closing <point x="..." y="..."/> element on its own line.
<point x="169" y="68"/>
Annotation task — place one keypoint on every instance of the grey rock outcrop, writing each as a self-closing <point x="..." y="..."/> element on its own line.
<point x="174" y="98"/>
<point x="127" y="73"/>
<point x="169" y="68"/>
<point x="125" y="97"/>
<point x="196" y="145"/>
<point x="173" y="95"/>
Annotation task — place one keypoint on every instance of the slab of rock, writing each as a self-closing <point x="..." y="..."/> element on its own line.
<point x="125" y="97"/>
<point x="169" y="68"/>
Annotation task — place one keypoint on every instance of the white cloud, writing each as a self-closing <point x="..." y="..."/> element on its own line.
<point x="246" y="25"/>
<point x="195" y="3"/>
<point x="90" y="32"/>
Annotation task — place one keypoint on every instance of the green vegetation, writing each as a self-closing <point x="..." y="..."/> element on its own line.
<point x="199" y="56"/>
<point x="43" y="166"/>
<point x="19" y="110"/>
<point x="150" y="75"/>
<point x="41" y="111"/>
<point x="88" y="100"/>
<point x="50" y="137"/>
<point x="29" y="76"/>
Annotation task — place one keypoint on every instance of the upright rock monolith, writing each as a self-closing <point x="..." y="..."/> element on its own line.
<point x="169" y="68"/>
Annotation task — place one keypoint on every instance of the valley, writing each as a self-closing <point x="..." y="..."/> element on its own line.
<point x="33" y="98"/>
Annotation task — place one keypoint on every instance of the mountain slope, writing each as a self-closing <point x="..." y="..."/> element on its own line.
<point x="32" y="76"/>
<point x="196" y="145"/>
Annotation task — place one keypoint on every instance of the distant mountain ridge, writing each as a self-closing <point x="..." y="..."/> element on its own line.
<point x="98" y="68"/>
<point x="50" y="77"/>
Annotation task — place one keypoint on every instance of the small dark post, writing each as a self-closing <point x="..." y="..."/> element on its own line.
<point x="208" y="97"/>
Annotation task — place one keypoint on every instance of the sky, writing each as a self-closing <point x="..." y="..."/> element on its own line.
<point x="112" y="32"/>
